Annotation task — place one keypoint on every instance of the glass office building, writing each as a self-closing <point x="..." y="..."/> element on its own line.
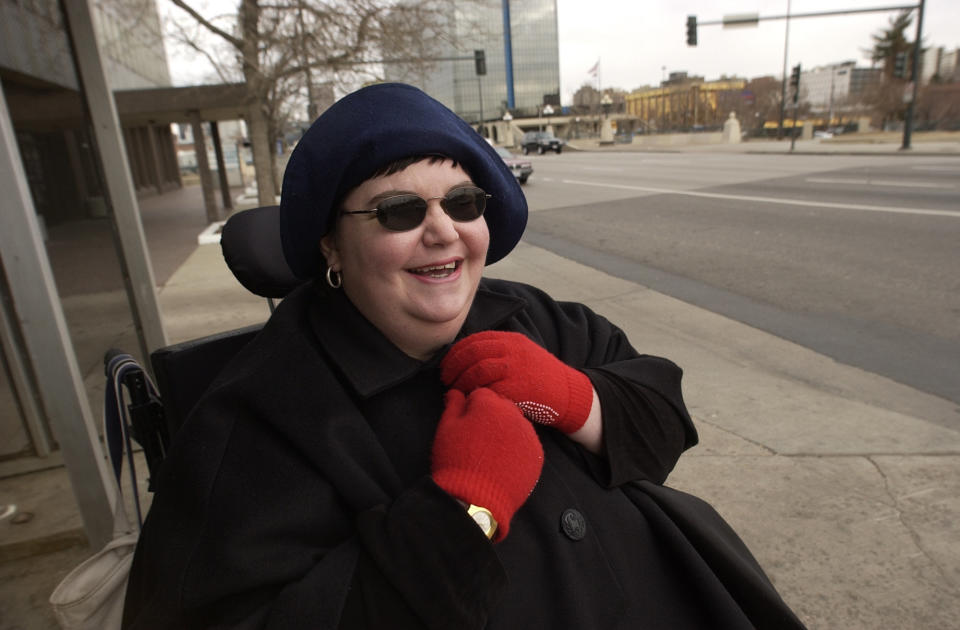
<point x="519" y="40"/>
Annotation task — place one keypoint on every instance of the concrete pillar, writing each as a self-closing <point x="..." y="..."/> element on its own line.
<point x="203" y="169"/>
<point x="170" y="153"/>
<point x="135" y="153"/>
<point x="156" y="159"/>
<point x="241" y="163"/>
<point x="146" y="163"/>
<point x="221" y="166"/>
<point x="76" y="163"/>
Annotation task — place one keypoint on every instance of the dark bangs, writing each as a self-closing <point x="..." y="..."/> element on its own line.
<point x="398" y="165"/>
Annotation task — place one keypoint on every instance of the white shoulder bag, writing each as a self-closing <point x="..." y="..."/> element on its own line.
<point x="91" y="596"/>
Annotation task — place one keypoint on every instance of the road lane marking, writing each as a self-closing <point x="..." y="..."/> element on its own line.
<point x="877" y="182"/>
<point x="789" y="202"/>
<point x="834" y="180"/>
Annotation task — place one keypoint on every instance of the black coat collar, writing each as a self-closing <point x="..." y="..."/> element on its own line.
<point x="367" y="359"/>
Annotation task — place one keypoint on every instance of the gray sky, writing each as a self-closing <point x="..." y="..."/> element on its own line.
<point x="635" y="39"/>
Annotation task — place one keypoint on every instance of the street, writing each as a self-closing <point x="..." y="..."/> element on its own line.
<point x="855" y="257"/>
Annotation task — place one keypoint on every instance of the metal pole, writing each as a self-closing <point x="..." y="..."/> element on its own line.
<point x="915" y="77"/>
<point x="793" y="130"/>
<point x="480" y="93"/>
<point x="508" y="53"/>
<point x="744" y="22"/>
<point x="783" y="85"/>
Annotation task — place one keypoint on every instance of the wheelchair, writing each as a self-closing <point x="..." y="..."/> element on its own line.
<point x="251" y="245"/>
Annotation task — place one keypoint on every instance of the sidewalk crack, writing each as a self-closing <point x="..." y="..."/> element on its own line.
<point x="918" y="543"/>
<point x="701" y="420"/>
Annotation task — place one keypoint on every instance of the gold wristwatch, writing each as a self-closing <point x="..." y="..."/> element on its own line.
<point x="482" y="517"/>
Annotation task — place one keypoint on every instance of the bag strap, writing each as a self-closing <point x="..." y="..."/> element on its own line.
<point x="116" y="430"/>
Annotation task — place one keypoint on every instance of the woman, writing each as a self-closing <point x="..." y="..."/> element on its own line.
<point x="409" y="445"/>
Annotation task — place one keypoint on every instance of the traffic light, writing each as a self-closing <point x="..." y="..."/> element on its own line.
<point x="691" y="30"/>
<point x="480" y="62"/>
<point x="900" y="65"/>
<point x="795" y="83"/>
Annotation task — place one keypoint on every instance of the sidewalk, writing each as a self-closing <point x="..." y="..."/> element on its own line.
<point x="844" y="484"/>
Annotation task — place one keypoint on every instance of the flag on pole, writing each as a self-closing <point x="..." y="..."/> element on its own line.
<point x="596" y="68"/>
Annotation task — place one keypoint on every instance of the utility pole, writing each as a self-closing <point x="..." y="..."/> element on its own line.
<point x="795" y="84"/>
<point x="783" y="83"/>
<point x="915" y="78"/>
<point x="480" y="66"/>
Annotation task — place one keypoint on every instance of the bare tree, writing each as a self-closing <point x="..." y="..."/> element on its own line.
<point x="278" y="48"/>
<point x="758" y="104"/>
<point x="940" y="106"/>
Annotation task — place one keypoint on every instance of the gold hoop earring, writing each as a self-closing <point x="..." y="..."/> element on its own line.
<point x="334" y="279"/>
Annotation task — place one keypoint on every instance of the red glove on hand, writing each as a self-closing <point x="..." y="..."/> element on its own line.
<point x="547" y="390"/>
<point x="485" y="453"/>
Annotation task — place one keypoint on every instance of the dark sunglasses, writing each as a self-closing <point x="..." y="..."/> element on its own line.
<point x="405" y="212"/>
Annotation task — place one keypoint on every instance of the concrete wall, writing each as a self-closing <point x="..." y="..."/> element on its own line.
<point x="677" y="139"/>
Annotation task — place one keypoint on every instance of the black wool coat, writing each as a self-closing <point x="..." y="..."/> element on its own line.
<point x="298" y="495"/>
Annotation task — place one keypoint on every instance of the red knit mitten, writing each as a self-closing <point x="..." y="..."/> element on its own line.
<point x="486" y="453"/>
<point x="547" y="390"/>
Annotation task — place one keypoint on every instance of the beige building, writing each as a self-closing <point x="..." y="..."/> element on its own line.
<point x="685" y="103"/>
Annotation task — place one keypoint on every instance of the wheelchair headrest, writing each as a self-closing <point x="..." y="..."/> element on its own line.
<point x="253" y="251"/>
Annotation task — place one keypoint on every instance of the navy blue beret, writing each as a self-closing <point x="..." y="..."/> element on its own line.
<point x="367" y="130"/>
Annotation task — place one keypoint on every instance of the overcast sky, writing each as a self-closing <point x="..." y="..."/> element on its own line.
<point x="635" y="39"/>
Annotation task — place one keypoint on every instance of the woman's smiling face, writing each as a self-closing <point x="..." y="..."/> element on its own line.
<point x="415" y="286"/>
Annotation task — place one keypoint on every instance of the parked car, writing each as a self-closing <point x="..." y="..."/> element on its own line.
<point x="521" y="169"/>
<point x="541" y="142"/>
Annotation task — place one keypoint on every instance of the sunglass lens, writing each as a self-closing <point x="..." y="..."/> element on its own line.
<point x="465" y="204"/>
<point x="401" y="213"/>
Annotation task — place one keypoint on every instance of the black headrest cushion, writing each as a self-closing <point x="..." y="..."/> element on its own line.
<point x="252" y="248"/>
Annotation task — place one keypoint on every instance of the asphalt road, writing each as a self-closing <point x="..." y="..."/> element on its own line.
<point x="856" y="257"/>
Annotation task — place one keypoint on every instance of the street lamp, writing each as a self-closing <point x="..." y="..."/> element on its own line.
<point x="507" y="118"/>
<point x="606" y="130"/>
<point x="548" y="111"/>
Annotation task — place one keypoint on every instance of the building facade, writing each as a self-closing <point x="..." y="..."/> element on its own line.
<point x="58" y="154"/>
<point x="829" y="88"/>
<point x="522" y="55"/>
<point x="683" y="102"/>
<point x="939" y="64"/>
<point x="36" y="64"/>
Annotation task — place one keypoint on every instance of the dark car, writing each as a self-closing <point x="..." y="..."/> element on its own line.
<point x="520" y="168"/>
<point x="541" y="142"/>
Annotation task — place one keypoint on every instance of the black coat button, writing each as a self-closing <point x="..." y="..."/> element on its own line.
<point x="572" y="524"/>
